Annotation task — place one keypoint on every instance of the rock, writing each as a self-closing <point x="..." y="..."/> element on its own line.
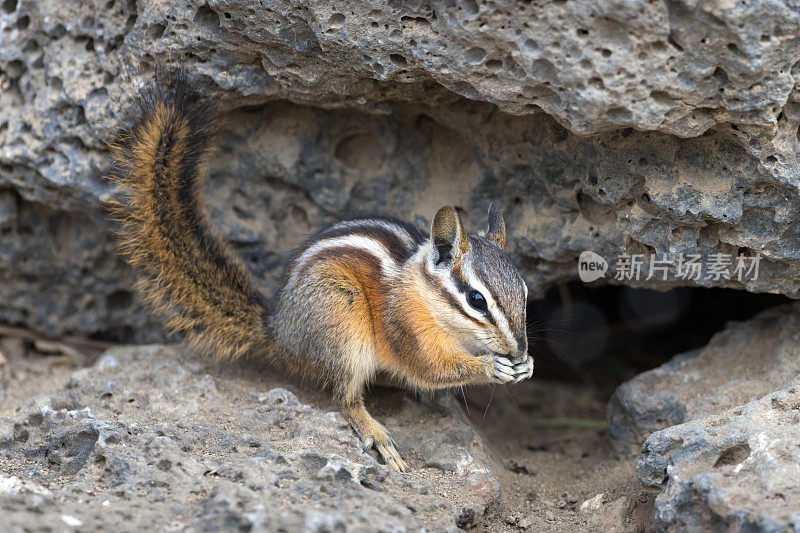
<point x="592" y="504"/>
<point x="611" y="517"/>
<point x="719" y="442"/>
<point x="591" y="67"/>
<point x="737" y="471"/>
<point x="146" y="437"/>
<point x="621" y="128"/>
<point x="742" y="363"/>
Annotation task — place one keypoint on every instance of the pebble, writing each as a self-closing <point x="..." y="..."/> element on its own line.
<point x="592" y="504"/>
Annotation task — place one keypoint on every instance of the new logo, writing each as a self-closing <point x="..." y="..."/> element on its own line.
<point x="591" y="266"/>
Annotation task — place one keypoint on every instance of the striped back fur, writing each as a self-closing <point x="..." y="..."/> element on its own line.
<point x="390" y="240"/>
<point x="418" y="286"/>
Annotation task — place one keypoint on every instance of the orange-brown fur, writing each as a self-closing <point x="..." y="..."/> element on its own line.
<point x="436" y="361"/>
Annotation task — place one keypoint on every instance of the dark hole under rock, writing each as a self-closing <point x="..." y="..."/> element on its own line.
<point x="607" y="335"/>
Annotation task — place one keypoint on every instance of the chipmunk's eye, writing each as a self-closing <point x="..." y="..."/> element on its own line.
<point x="476" y="300"/>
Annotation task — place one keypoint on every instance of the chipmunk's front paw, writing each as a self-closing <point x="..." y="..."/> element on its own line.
<point x="507" y="371"/>
<point x="386" y="447"/>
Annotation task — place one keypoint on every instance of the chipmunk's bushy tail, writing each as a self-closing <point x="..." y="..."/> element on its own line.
<point x="189" y="273"/>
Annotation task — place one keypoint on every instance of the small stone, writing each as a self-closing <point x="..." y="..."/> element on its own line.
<point x="592" y="504"/>
<point x="278" y="397"/>
<point x="549" y="516"/>
<point x="71" y="520"/>
<point x="107" y="361"/>
<point x="610" y="517"/>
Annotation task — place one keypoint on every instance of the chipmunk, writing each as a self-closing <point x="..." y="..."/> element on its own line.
<point x="362" y="297"/>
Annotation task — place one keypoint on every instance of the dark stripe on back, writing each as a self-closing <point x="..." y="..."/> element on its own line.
<point x="395" y="246"/>
<point x="416" y="235"/>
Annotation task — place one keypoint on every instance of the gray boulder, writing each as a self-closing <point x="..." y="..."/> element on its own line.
<point x="738" y="470"/>
<point x="717" y="441"/>
<point x="145" y="438"/>
<point x="740" y="364"/>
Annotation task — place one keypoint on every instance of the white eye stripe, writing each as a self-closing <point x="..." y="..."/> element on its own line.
<point x="443" y="275"/>
<point x="462" y="299"/>
<point x="499" y="318"/>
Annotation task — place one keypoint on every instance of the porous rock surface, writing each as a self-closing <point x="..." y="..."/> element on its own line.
<point x="742" y="363"/>
<point x="718" y="442"/>
<point x="738" y="470"/>
<point x="618" y="127"/>
<point x="145" y="439"/>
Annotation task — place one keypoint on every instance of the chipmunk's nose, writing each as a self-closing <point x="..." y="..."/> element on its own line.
<point x="521" y="353"/>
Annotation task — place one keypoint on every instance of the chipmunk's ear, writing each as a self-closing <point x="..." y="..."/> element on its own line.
<point x="449" y="238"/>
<point x="497" y="226"/>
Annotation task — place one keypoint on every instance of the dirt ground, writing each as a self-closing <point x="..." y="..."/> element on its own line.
<point x="548" y="438"/>
<point x="554" y="455"/>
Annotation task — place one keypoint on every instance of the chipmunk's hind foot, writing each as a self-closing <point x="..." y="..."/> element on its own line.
<point x="374" y="435"/>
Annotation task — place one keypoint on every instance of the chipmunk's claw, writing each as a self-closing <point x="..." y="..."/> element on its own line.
<point x="524" y="369"/>
<point x="367" y="443"/>
<point x="387" y="448"/>
<point x="390" y="455"/>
